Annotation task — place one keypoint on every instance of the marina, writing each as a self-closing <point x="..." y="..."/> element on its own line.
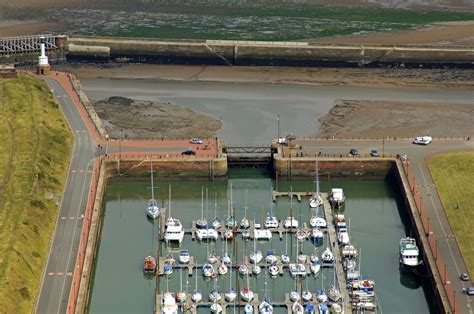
<point x="187" y="195"/>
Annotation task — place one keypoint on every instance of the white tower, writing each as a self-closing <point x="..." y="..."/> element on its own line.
<point x="43" y="64"/>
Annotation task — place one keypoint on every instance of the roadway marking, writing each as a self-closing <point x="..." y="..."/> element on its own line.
<point x="432" y="201"/>
<point x="72" y="217"/>
<point x="73" y="171"/>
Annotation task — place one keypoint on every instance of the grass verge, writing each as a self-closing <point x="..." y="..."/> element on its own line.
<point x="35" y="146"/>
<point x="453" y="174"/>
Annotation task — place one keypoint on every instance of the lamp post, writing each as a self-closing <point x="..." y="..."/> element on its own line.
<point x="383" y="147"/>
<point x="278" y="120"/>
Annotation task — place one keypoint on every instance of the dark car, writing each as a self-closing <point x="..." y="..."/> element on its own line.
<point x="188" y="152"/>
<point x="374" y="153"/>
<point x="353" y="152"/>
<point x="464" y="277"/>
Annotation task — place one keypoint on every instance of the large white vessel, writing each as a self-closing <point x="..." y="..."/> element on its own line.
<point x="208" y="233"/>
<point x="174" y="230"/>
<point x="169" y="304"/>
<point x="409" y="253"/>
<point x="336" y="197"/>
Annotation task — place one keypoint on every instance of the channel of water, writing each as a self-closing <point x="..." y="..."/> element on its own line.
<point x="376" y="217"/>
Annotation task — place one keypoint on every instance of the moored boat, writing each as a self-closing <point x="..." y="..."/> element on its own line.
<point x="271" y="257"/>
<point x="301" y="235"/>
<point x="256" y="256"/>
<point x="318" y="222"/>
<point x="265" y="307"/>
<point x="307" y="296"/>
<point x="297" y="270"/>
<point x="337" y="198"/>
<point x="246" y="294"/>
<point x="184" y="256"/>
<point x="297" y="308"/>
<point x="327" y="256"/>
<point x="208" y="270"/>
<point x="271" y="221"/>
<point x="274" y="270"/>
<point x="243" y="269"/>
<point x="149" y="265"/>
<point x="174" y="230"/>
<point x="216" y="308"/>
<point x="169" y="305"/>
<point x="409" y="253"/>
<point x="222" y="269"/>
<point x="230" y="295"/>
<point x="294" y="295"/>
<point x="290" y="223"/>
<point x="214" y="295"/>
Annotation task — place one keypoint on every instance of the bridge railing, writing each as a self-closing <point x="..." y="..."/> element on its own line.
<point x="21" y="44"/>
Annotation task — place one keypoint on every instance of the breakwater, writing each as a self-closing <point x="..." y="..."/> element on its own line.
<point x="226" y="52"/>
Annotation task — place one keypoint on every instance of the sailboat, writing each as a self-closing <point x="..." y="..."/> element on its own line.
<point x="202" y="223"/>
<point x="294" y="295"/>
<point x="334" y="294"/>
<point x="298" y="268"/>
<point x="271" y="221"/>
<point x="226" y="259"/>
<point x="197" y="295"/>
<point x="247" y="294"/>
<point x="174" y="228"/>
<point x="297" y="308"/>
<point x="306" y="295"/>
<point x="152" y="210"/>
<point x="230" y="295"/>
<point x="231" y="223"/>
<point x="322" y="296"/>
<point x="244" y="223"/>
<point x="327" y="256"/>
<point x="265" y="306"/>
<point x="216" y="223"/>
<point x="214" y="295"/>
<point x="316" y="199"/>
<point x="181" y="295"/>
<point x="169" y="305"/>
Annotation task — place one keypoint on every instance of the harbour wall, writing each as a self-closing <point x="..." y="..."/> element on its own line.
<point x="226" y="52"/>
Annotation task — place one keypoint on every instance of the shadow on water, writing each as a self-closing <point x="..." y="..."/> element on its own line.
<point x="410" y="279"/>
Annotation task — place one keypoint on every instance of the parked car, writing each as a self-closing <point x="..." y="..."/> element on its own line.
<point x="188" y="152"/>
<point x="374" y="153"/>
<point x="353" y="152"/>
<point x="196" y="140"/>
<point x="422" y="140"/>
<point x="469" y="291"/>
<point x="464" y="277"/>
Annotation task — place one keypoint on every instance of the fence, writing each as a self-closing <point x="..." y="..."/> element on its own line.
<point x="386" y="138"/>
<point x="433" y="243"/>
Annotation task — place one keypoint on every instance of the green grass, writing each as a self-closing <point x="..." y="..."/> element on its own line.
<point x="35" y="146"/>
<point x="453" y="174"/>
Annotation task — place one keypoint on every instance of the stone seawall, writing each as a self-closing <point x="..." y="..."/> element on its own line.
<point x="265" y="53"/>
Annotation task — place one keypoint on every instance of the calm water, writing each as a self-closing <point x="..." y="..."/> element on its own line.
<point x="127" y="237"/>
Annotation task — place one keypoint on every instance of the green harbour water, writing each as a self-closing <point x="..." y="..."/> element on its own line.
<point x="374" y="210"/>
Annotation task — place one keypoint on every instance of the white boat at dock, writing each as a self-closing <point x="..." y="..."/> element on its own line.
<point x="181" y="296"/>
<point x="197" y="295"/>
<point x="265" y="307"/>
<point x="336" y="197"/>
<point x="169" y="305"/>
<point x="315" y="267"/>
<point x="318" y="222"/>
<point x="216" y="223"/>
<point x="226" y="259"/>
<point x="207" y="234"/>
<point x="301" y="257"/>
<point x="409" y="253"/>
<point x="274" y="270"/>
<point x="216" y="308"/>
<point x="174" y="230"/>
<point x="349" y="250"/>
<point x="152" y="210"/>
<point x="271" y="257"/>
<point x="262" y="234"/>
<point x="271" y="221"/>
<point x="243" y="269"/>
<point x="301" y="235"/>
<point x="230" y="295"/>
<point x="208" y="270"/>
<point x="214" y="295"/>
<point x="248" y="309"/>
<point x="322" y="296"/>
<point x="256" y="270"/>
<point x="256" y="256"/>
<point x="211" y="258"/>
<point x="334" y="294"/>
<point x="297" y="308"/>
<point x="307" y="296"/>
<point x="285" y="259"/>
<point x="297" y="269"/>
<point x="244" y="223"/>
<point x="290" y="223"/>
<point x="349" y="264"/>
<point x="316" y="234"/>
<point x="327" y="256"/>
<point x="316" y="199"/>
<point x="294" y="296"/>
<point x="222" y="269"/>
<point x="343" y="238"/>
<point x="247" y="295"/>
<point x="184" y="256"/>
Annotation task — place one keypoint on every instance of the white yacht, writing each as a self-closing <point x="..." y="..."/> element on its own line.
<point x="207" y="234"/>
<point x="243" y="269"/>
<point x="265" y="307"/>
<point x="409" y="253"/>
<point x="290" y="222"/>
<point x="318" y="222"/>
<point x="256" y="256"/>
<point x="294" y="296"/>
<point x="216" y="308"/>
<point x="246" y="294"/>
<point x="297" y="270"/>
<point x="274" y="270"/>
<point x="327" y="256"/>
<point x="271" y="221"/>
<point x="184" y="257"/>
<point x="271" y="257"/>
<point x="208" y="270"/>
<point x="222" y="269"/>
<point x="174" y="231"/>
<point x="152" y="210"/>
<point x="343" y="238"/>
<point x="169" y="304"/>
<point x="337" y="198"/>
<point x="315" y="267"/>
<point x="307" y="296"/>
<point x="262" y="234"/>
<point x="317" y="234"/>
<point x="297" y="308"/>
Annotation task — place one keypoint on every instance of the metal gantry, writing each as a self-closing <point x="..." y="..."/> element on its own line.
<point x="22" y="44"/>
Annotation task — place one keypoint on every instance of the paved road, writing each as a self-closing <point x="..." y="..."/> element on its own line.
<point x="57" y="277"/>
<point x="440" y="227"/>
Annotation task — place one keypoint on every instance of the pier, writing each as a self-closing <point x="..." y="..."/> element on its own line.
<point x="276" y="194"/>
<point x="340" y="275"/>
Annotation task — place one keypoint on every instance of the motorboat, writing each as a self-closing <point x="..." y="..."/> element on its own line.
<point x="343" y="238"/>
<point x="167" y="269"/>
<point x="196" y="296"/>
<point x="181" y="296"/>
<point x="222" y="269"/>
<point x="184" y="256"/>
<point x="246" y="234"/>
<point x="256" y="256"/>
<point x="334" y="294"/>
<point x="314" y="258"/>
<point x="244" y="223"/>
<point x="349" y="250"/>
<point x="336" y="197"/>
<point x="229" y="235"/>
<point x="297" y="269"/>
<point x="327" y="256"/>
<point x="362" y="284"/>
<point x="208" y="270"/>
<point x="302" y="257"/>
<point x="174" y="231"/>
<point x="297" y="308"/>
<point x="262" y="234"/>
<point x="169" y="305"/>
<point x="322" y="296"/>
<point x="207" y="234"/>
<point x="214" y="295"/>
<point x="318" y="222"/>
<point x="294" y="296"/>
<point x="274" y="270"/>
<point x="340" y="222"/>
<point x="216" y="308"/>
<point x="352" y="275"/>
<point x="230" y="222"/>
<point x="152" y="210"/>
<point x="290" y="222"/>
<point x="301" y="235"/>
<point x="248" y="308"/>
<point x="216" y="223"/>
<point x="243" y="269"/>
<point x="409" y="253"/>
<point x="364" y="306"/>
<point x="315" y="267"/>
<point x="271" y="221"/>
<point x="247" y="295"/>
<point x="230" y="295"/>
<point x="316" y="234"/>
<point x="201" y="224"/>
<point x="256" y="270"/>
<point x="149" y="265"/>
<point x="170" y="260"/>
<point x="265" y="307"/>
<point x="349" y="264"/>
<point x="257" y="225"/>
<point x="285" y="259"/>
<point x="307" y="296"/>
<point x="226" y="258"/>
<point x="211" y="258"/>
<point x="271" y="257"/>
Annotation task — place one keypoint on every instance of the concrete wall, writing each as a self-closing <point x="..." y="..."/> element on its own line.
<point x="267" y="53"/>
<point x="31" y="58"/>
<point x="348" y="168"/>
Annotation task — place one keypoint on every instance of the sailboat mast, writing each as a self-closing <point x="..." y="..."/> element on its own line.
<point x="317" y="178"/>
<point x="169" y="200"/>
<point x="202" y="203"/>
<point x="152" y="188"/>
